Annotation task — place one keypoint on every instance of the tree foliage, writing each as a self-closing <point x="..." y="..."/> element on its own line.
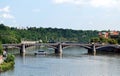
<point x="8" y="36"/>
<point x="104" y="40"/>
<point x="14" y="35"/>
<point x="1" y="49"/>
<point x="56" y="35"/>
<point x="95" y="39"/>
<point x="10" y="58"/>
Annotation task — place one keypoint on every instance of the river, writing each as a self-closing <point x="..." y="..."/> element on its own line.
<point x="74" y="62"/>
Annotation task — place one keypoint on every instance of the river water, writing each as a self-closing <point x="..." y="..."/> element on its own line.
<point x="74" y="62"/>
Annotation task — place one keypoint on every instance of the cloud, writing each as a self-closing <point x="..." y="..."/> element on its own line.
<point x="61" y="1"/>
<point x="5" y="13"/>
<point x="7" y="16"/>
<point x="69" y="1"/>
<point x="5" y="9"/>
<point x="93" y="3"/>
<point x="1" y="21"/>
<point x="104" y="3"/>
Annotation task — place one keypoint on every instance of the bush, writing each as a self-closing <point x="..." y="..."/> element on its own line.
<point x="10" y="58"/>
<point x="6" y="66"/>
<point x="8" y="63"/>
<point x="112" y="41"/>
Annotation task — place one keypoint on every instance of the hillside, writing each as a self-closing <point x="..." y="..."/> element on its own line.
<point x="14" y="35"/>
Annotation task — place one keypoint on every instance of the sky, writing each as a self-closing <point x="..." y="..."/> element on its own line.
<point x="67" y="14"/>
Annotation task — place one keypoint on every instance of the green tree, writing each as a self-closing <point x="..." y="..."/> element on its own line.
<point x="103" y="40"/>
<point x="10" y="58"/>
<point x="1" y="49"/>
<point x="112" y="41"/>
<point x="14" y="35"/>
<point x="96" y="40"/>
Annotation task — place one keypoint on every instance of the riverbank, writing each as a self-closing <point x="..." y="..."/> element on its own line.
<point x="8" y="63"/>
<point x="6" y="66"/>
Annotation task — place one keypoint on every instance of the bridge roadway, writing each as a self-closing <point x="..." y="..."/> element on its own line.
<point x="59" y="46"/>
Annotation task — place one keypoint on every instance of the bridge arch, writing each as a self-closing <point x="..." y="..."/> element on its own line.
<point x="107" y="46"/>
<point x="49" y="46"/>
<point x="83" y="46"/>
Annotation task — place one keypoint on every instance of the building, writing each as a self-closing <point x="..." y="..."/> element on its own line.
<point x="103" y="34"/>
<point x="114" y="34"/>
<point x="110" y="34"/>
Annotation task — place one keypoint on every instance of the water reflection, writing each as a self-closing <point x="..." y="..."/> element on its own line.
<point x="59" y="56"/>
<point x="73" y="62"/>
<point x="22" y="55"/>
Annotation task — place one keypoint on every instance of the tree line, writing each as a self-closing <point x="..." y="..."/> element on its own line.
<point x="15" y="35"/>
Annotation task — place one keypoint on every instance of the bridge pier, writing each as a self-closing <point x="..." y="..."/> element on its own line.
<point x="58" y="50"/>
<point x="22" y="49"/>
<point x="92" y="50"/>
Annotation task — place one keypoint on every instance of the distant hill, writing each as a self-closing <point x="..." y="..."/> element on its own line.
<point x="15" y="35"/>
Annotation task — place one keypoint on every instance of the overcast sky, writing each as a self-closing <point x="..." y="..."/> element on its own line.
<point x="72" y="14"/>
